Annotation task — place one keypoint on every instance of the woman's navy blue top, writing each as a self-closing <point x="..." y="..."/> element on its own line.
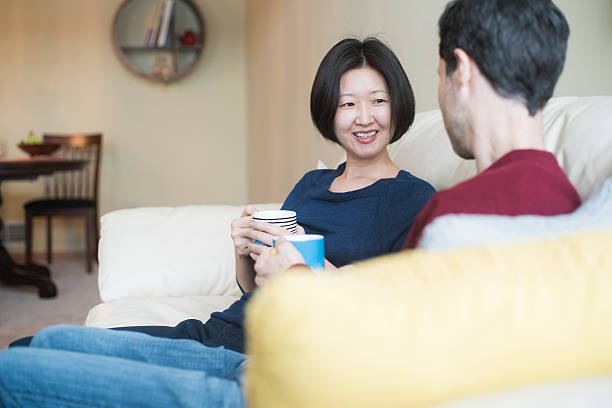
<point x="357" y="225"/>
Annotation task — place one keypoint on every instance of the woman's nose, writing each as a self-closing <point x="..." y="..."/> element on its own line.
<point x="364" y="115"/>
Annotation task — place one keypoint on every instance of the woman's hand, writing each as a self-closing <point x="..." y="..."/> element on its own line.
<point x="266" y="233"/>
<point x="272" y="261"/>
<point x="244" y="230"/>
<point x="240" y="228"/>
<point x="329" y="267"/>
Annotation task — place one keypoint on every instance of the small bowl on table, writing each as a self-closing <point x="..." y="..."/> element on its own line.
<point x="39" y="149"/>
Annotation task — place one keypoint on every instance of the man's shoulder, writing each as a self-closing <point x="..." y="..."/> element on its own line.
<point x="522" y="161"/>
<point x="511" y="169"/>
<point x="521" y="181"/>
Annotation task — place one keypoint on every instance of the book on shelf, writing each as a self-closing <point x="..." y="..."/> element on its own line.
<point x="148" y="37"/>
<point x="152" y="32"/>
<point x="164" y="32"/>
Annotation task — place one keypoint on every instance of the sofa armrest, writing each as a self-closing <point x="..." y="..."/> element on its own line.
<point x="168" y="251"/>
<point x="420" y="327"/>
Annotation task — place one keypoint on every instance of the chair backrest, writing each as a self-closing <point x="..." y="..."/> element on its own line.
<point x="82" y="183"/>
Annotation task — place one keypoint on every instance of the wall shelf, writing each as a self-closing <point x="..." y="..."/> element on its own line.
<point x="161" y="40"/>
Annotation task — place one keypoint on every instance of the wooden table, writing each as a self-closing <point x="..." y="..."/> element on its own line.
<point x="28" y="168"/>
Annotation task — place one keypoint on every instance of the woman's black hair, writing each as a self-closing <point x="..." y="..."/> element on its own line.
<point x="350" y="54"/>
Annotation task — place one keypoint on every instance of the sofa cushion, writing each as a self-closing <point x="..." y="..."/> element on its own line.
<point x="168" y="251"/>
<point x="578" y="131"/>
<point x="461" y="230"/>
<point x="422" y="327"/>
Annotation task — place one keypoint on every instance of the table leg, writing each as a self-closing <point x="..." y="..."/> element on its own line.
<point x="35" y="275"/>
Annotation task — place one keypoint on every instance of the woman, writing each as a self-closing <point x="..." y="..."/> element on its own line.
<point x="361" y="99"/>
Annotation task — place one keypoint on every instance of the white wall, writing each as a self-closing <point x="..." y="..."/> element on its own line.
<point x="589" y="54"/>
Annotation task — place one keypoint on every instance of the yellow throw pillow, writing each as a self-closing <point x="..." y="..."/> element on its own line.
<point x="417" y="328"/>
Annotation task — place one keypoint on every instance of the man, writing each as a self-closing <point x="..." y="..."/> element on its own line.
<point x="499" y="63"/>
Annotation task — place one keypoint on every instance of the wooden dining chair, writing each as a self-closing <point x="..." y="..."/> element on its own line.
<point x="70" y="194"/>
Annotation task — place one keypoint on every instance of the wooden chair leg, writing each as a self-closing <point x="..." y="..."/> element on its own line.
<point x="28" y="236"/>
<point x="88" y="240"/>
<point x="49" y="243"/>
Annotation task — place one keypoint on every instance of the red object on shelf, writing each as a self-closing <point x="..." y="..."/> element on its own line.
<point x="188" y="38"/>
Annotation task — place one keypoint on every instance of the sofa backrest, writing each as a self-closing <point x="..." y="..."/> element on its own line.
<point x="577" y="130"/>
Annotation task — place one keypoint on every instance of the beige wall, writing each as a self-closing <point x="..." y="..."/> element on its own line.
<point x="183" y="143"/>
<point x="288" y="38"/>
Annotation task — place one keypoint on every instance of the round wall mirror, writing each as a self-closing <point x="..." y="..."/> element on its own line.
<point x="161" y="40"/>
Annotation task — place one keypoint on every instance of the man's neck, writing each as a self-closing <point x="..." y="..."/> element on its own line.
<point x="505" y="126"/>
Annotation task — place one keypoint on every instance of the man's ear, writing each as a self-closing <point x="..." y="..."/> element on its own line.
<point x="464" y="71"/>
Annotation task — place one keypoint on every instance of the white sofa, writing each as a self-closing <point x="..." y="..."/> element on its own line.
<point x="162" y="265"/>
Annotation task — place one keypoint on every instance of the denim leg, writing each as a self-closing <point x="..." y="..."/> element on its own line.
<point x="35" y="377"/>
<point x="187" y="354"/>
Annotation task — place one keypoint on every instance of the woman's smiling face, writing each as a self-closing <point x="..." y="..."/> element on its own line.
<point x="363" y="118"/>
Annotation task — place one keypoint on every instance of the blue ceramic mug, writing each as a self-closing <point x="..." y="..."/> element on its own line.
<point x="312" y="248"/>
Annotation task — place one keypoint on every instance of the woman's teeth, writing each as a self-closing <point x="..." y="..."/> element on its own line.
<point x="366" y="134"/>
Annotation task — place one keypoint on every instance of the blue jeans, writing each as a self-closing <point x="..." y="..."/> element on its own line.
<point x="72" y="366"/>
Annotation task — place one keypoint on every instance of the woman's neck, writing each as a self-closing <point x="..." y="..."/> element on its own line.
<point x="360" y="173"/>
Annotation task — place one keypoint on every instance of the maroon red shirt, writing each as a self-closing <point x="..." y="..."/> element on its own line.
<point x="521" y="182"/>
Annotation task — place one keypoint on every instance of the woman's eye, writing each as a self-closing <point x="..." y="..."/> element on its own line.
<point x="347" y="104"/>
<point x="379" y="100"/>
